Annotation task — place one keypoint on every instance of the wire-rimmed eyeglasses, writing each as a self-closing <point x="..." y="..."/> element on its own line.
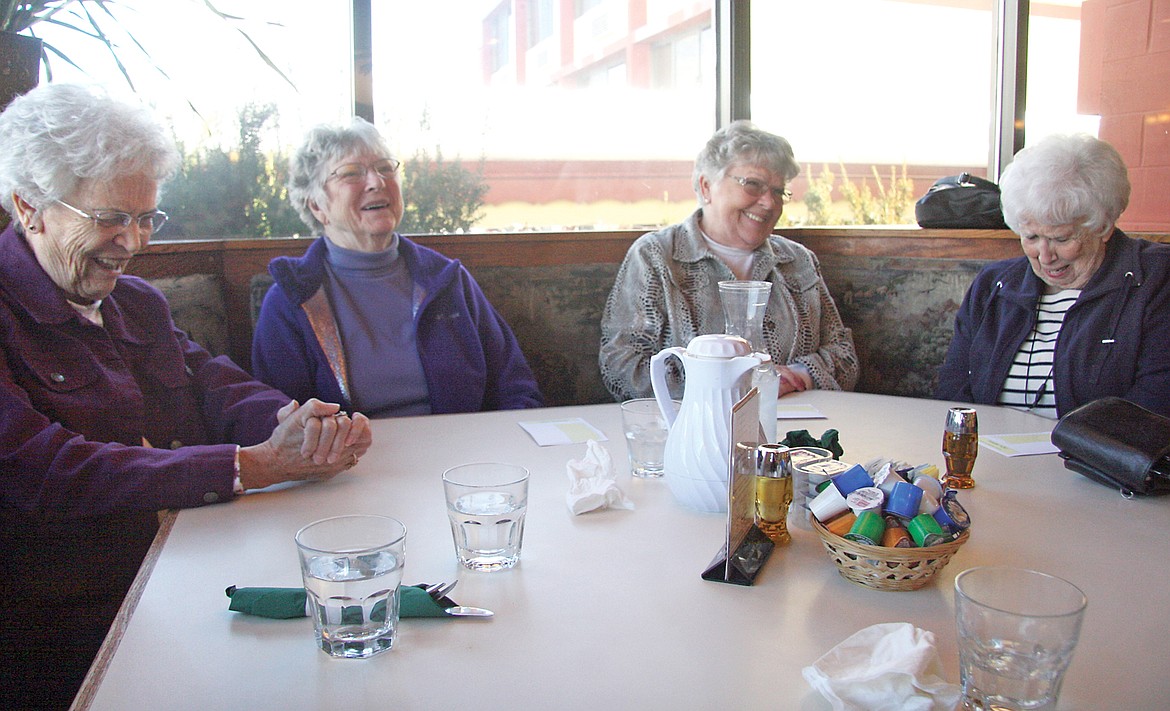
<point x="114" y="220"/>
<point x="357" y="172"/>
<point x="757" y="188"/>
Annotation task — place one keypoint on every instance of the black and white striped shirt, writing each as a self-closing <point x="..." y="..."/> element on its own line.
<point x="1029" y="385"/>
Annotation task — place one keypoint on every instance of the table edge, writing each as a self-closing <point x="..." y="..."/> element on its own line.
<point x="97" y="670"/>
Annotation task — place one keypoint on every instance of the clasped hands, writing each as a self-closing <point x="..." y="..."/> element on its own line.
<point x="315" y="440"/>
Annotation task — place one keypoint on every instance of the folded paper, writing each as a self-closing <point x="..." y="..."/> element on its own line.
<point x="288" y="603"/>
<point x="591" y="482"/>
<point x="887" y="667"/>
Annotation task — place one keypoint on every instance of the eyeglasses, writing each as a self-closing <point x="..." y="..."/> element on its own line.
<point x="113" y="220"/>
<point x="757" y="188"/>
<point x="357" y="172"/>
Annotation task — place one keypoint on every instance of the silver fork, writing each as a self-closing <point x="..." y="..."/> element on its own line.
<point x="438" y="591"/>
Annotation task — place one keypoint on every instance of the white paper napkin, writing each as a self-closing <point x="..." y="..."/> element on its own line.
<point x="591" y="482"/>
<point x="887" y="667"/>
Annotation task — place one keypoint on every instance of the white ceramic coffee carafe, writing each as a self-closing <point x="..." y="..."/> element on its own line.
<point x="718" y="374"/>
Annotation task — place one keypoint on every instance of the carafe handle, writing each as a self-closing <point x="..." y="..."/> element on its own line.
<point x="658" y="382"/>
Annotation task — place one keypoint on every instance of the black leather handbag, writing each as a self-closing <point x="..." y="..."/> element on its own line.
<point x="961" y="201"/>
<point x="1117" y="443"/>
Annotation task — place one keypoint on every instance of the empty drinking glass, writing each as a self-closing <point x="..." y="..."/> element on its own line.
<point x="1017" y="632"/>
<point x="645" y="429"/>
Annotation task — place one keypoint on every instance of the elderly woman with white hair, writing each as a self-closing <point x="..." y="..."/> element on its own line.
<point x="1084" y="313"/>
<point x="108" y="413"/>
<point x="368" y="317"/>
<point x="667" y="289"/>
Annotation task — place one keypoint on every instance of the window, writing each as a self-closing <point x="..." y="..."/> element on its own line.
<point x="540" y="21"/>
<point x="498" y="30"/>
<point x="216" y="88"/>
<point x="575" y="132"/>
<point x="882" y="97"/>
<point x="872" y="91"/>
<point x="587" y="114"/>
<point x="1054" y="42"/>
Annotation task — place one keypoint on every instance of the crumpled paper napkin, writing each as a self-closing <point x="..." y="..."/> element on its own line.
<point x="591" y="482"/>
<point x="886" y="667"/>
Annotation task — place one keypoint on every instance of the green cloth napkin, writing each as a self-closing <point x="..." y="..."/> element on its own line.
<point x="287" y="603"/>
<point x="829" y="440"/>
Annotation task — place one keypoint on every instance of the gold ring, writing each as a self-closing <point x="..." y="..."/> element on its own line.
<point x="353" y="460"/>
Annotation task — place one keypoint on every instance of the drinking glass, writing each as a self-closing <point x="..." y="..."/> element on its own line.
<point x="744" y="302"/>
<point x="486" y="505"/>
<point x="352" y="567"/>
<point x="646" y="430"/>
<point x="1017" y="631"/>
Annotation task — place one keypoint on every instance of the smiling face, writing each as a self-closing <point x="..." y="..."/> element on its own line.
<point x="360" y="215"/>
<point x="1063" y="256"/>
<point x="81" y="259"/>
<point x="734" y="218"/>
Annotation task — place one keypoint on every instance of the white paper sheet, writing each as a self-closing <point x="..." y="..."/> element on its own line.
<point x="571" y="431"/>
<point x="1019" y="445"/>
<point x="797" y="411"/>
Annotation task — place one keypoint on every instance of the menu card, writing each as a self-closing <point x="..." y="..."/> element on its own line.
<point x="749" y="547"/>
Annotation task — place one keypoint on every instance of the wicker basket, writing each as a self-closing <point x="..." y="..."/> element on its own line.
<point x="883" y="568"/>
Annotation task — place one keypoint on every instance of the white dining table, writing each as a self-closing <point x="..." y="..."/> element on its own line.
<point x="607" y="609"/>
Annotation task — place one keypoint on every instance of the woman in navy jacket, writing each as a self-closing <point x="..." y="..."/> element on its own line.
<point x="1084" y="313"/>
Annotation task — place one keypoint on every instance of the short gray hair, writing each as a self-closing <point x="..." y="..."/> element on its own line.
<point x="742" y="142"/>
<point x="1065" y="179"/>
<point x="322" y="145"/>
<point x="59" y="134"/>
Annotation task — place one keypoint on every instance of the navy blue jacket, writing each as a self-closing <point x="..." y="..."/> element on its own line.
<point x="471" y="359"/>
<point x="1115" y="339"/>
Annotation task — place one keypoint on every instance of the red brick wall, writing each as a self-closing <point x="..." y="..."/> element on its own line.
<point x="1125" y="79"/>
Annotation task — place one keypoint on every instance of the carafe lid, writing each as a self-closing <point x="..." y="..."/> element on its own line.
<point x="718" y="345"/>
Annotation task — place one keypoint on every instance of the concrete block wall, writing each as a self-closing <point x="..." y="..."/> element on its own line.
<point x="1125" y="79"/>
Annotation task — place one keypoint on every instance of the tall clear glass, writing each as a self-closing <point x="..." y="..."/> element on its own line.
<point x="744" y="302"/>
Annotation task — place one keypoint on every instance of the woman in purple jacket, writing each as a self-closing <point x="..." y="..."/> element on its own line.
<point x="1084" y="313"/>
<point x="108" y="413"/>
<point x="368" y="318"/>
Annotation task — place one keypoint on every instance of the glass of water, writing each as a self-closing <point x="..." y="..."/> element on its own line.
<point x="352" y="567"/>
<point x="645" y="429"/>
<point x="486" y="504"/>
<point x="1017" y="632"/>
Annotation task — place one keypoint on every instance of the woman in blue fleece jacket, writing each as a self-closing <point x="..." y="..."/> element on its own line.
<point x="1084" y="313"/>
<point x="382" y="324"/>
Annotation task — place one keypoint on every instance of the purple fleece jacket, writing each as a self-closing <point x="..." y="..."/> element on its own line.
<point x="470" y="357"/>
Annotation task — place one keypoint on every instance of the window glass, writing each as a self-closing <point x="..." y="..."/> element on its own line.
<point x="522" y="118"/>
<point x="879" y="98"/>
<point x="234" y="116"/>
<point x="1054" y="43"/>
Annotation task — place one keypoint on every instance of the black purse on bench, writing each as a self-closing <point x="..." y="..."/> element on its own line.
<point x="1117" y="443"/>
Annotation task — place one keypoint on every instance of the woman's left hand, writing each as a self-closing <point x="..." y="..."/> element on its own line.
<point x="793" y="380"/>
